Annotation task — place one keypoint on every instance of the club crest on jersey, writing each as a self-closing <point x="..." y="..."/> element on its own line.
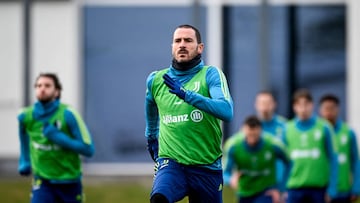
<point x="196" y="86"/>
<point x="343" y="139"/>
<point x="317" y="135"/>
<point x="58" y="124"/>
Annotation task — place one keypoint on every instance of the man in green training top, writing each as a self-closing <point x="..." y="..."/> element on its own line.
<point x="183" y="107"/>
<point x="52" y="136"/>
<point x="309" y="141"/>
<point x="348" y="189"/>
<point x="253" y="156"/>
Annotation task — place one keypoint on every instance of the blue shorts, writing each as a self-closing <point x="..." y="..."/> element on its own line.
<point x="44" y="191"/>
<point x="341" y="200"/>
<point x="258" y="198"/>
<point x="308" y="195"/>
<point x="176" y="181"/>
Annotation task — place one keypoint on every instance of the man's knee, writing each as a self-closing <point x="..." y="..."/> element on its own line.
<point x="158" y="198"/>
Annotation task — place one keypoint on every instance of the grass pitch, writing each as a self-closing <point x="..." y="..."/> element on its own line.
<point x="96" y="189"/>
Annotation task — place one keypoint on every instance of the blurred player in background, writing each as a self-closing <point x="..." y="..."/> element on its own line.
<point x="265" y="106"/>
<point x="52" y="136"/>
<point x="348" y="155"/>
<point x="273" y="124"/>
<point x="253" y="156"/>
<point x="309" y="141"/>
<point x="184" y="105"/>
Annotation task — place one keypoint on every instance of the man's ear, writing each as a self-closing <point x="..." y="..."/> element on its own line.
<point x="57" y="93"/>
<point x="200" y="48"/>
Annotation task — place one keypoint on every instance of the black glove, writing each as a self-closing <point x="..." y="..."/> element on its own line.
<point x="153" y="148"/>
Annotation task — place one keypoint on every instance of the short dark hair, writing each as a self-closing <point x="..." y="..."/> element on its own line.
<point x="330" y="97"/>
<point x="197" y="33"/>
<point x="302" y="93"/>
<point x="252" y="121"/>
<point x="267" y="92"/>
<point x="55" y="79"/>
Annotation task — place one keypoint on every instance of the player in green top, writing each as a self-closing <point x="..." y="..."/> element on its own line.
<point x="253" y="156"/>
<point x="183" y="107"/>
<point x="309" y="141"/>
<point x="52" y="136"/>
<point x="348" y="189"/>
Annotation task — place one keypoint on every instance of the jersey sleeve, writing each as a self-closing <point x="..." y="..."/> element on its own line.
<point x="220" y="103"/>
<point x="151" y="111"/>
<point x="332" y="157"/>
<point x="229" y="165"/>
<point x="24" y="159"/>
<point x="80" y="140"/>
<point x="355" y="164"/>
<point x="282" y="154"/>
<point x="280" y="151"/>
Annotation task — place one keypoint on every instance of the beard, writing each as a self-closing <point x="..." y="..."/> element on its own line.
<point x="46" y="99"/>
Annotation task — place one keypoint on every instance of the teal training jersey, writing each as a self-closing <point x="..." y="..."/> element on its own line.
<point x="48" y="160"/>
<point x="186" y="134"/>
<point x="311" y="166"/>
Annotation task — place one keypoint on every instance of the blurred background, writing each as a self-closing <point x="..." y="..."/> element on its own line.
<point x="103" y="50"/>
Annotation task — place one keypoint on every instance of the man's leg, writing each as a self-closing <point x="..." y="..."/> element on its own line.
<point x="246" y="199"/>
<point x="263" y="199"/>
<point x="41" y="192"/>
<point x="317" y="195"/>
<point x="205" y="185"/>
<point x="341" y="200"/>
<point x="296" y="196"/>
<point x="169" y="182"/>
<point x="69" y="192"/>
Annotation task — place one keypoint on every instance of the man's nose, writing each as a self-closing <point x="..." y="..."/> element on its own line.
<point x="182" y="43"/>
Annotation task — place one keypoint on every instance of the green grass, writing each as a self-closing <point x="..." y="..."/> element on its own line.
<point x="97" y="190"/>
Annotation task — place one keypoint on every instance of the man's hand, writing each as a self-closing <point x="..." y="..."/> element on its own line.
<point x="234" y="180"/>
<point x="153" y="148"/>
<point x="25" y="170"/>
<point x="353" y="198"/>
<point x="175" y="86"/>
<point x="275" y="195"/>
<point x="50" y="131"/>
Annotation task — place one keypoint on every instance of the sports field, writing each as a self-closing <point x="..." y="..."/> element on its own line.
<point x="97" y="190"/>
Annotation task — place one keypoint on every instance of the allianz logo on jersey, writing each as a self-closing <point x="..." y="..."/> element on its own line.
<point x="196" y="116"/>
<point x="255" y="173"/>
<point x="48" y="147"/>
<point x="310" y="153"/>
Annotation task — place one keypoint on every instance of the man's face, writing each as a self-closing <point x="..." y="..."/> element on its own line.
<point x="185" y="46"/>
<point x="252" y="135"/>
<point x="329" y="110"/>
<point x="303" y="108"/>
<point x="265" y="106"/>
<point x="45" y="89"/>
